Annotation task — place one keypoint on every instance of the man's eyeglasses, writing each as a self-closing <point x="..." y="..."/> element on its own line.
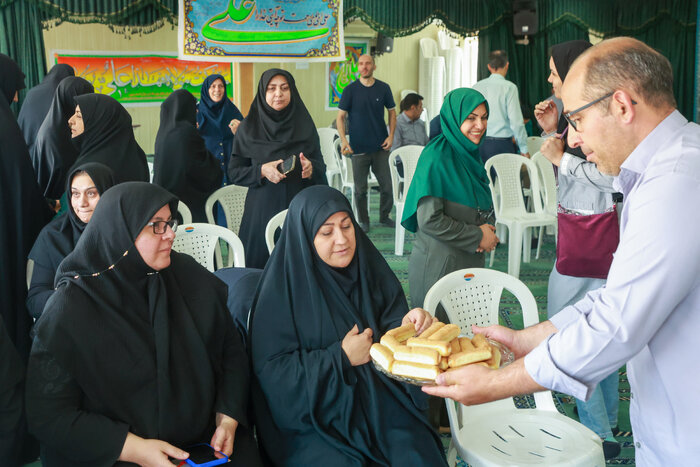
<point x="159" y="227"/>
<point x="568" y="115"/>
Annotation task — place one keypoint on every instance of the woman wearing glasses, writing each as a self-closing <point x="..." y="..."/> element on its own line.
<point x="136" y="357"/>
<point x="588" y="231"/>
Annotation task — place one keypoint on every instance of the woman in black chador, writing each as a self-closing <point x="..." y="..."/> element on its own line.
<point x="101" y="128"/>
<point x="325" y="296"/>
<point x="181" y="164"/>
<point x="136" y="357"/>
<point x="53" y="153"/>
<point x="84" y="187"/>
<point x="277" y="127"/>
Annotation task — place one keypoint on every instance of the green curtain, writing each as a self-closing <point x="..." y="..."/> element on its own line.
<point x="397" y="18"/>
<point x="21" y="39"/>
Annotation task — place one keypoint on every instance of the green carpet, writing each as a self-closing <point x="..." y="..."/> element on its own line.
<point x="536" y="276"/>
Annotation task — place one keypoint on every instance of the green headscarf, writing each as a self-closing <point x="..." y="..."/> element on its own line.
<point x="450" y="166"/>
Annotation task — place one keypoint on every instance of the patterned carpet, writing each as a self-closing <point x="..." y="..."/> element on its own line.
<point x="535" y="275"/>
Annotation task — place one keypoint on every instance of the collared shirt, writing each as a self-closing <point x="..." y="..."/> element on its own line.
<point x="409" y="132"/>
<point x="505" y="116"/>
<point x="648" y="314"/>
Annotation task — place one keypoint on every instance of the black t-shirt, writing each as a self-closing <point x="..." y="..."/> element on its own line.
<point x="365" y="107"/>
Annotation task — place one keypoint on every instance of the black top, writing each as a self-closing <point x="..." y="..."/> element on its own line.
<point x="316" y="406"/>
<point x="59" y="238"/>
<point x="37" y="102"/>
<point x="123" y="348"/>
<point x="24" y="211"/>
<point x="182" y="164"/>
<point x="11" y="400"/>
<point x="109" y="138"/>
<point x="242" y="284"/>
<point x="365" y="107"/>
<point x="53" y="153"/>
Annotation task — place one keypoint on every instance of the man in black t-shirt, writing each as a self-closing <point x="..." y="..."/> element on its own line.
<point x="364" y="101"/>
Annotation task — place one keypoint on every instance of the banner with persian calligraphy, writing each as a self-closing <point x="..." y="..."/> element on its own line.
<point x="340" y="74"/>
<point x="143" y="79"/>
<point x="261" y="30"/>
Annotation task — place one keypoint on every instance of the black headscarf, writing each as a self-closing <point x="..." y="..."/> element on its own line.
<point x="182" y="164"/>
<point x="302" y="311"/>
<point x="155" y="350"/>
<point x="11" y="78"/>
<point x="267" y="134"/>
<point x="60" y="236"/>
<point x="24" y="211"/>
<point x="53" y="153"/>
<point x="564" y="55"/>
<point x="109" y="138"/>
<point x="214" y="117"/>
<point x="38" y="101"/>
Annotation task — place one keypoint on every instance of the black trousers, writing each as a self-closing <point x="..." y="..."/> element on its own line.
<point x="379" y="162"/>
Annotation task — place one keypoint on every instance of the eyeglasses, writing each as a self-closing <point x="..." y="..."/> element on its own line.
<point x="568" y="115"/>
<point x="159" y="227"/>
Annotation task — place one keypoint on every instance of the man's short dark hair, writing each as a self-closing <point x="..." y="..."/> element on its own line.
<point x="409" y="101"/>
<point x="498" y="59"/>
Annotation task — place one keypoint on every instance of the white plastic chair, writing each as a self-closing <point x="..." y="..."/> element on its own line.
<point x="327" y="137"/>
<point x="409" y="158"/>
<point x="277" y="221"/>
<point x="534" y="143"/>
<point x="509" y="206"/>
<point x="548" y="193"/>
<point x="232" y="200"/>
<point x="497" y="433"/>
<point x="184" y="212"/>
<point x="201" y="240"/>
<point x="150" y="171"/>
<point x="347" y="180"/>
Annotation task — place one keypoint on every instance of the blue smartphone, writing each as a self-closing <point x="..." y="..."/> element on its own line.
<point x="203" y="455"/>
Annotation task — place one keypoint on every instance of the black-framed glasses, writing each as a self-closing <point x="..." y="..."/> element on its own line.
<point x="159" y="227"/>
<point x="568" y="115"/>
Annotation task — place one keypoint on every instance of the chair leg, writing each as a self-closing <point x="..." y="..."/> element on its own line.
<point x="502" y="233"/>
<point x="451" y="454"/>
<point x="399" y="232"/>
<point x="515" y="250"/>
<point x="354" y="201"/>
<point x="539" y="242"/>
<point x="527" y="244"/>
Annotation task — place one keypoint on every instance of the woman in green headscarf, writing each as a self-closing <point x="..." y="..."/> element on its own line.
<point x="448" y="204"/>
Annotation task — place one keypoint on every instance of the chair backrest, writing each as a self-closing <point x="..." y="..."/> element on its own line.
<point x="507" y="190"/>
<point x="534" y="143"/>
<point x="472" y="296"/>
<point x="184" y="212"/>
<point x="406" y="92"/>
<point x="343" y="164"/>
<point x="409" y="159"/>
<point x="232" y="200"/>
<point x="201" y="241"/>
<point x="548" y="182"/>
<point x="327" y="137"/>
<point x="277" y="221"/>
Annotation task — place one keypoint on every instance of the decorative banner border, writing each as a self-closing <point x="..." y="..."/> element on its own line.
<point x="340" y="74"/>
<point x="143" y="79"/>
<point x="261" y="30"/>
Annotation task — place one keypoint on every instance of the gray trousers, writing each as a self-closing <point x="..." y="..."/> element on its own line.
<point x="379" y="162"/>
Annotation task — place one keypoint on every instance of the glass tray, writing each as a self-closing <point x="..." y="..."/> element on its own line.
<point x="507" y="358"/>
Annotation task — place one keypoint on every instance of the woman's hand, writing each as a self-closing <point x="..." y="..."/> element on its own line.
<point x="489" y="240"/>
<point x="225" y="434"/>
<point x="270" y="172"/>
<point x="307" y="167"/>
<point x="420" y="318"/>
<point x="234" y="125"/>
<point x="149" y="452"/>
<point x="547" y="114"/>
<point x="356" y="346"/>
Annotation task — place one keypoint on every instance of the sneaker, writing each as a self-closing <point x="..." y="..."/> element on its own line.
<point x="388" y="222"/>
<point x="611" y="449"/>
<point x="364" y="226"/>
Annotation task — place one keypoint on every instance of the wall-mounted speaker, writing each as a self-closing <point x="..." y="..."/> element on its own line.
<point x="385" y="44"/>
<point x="524" y="17"/>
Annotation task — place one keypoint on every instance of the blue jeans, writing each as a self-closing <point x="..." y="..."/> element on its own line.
<point x="600" y="412"/>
